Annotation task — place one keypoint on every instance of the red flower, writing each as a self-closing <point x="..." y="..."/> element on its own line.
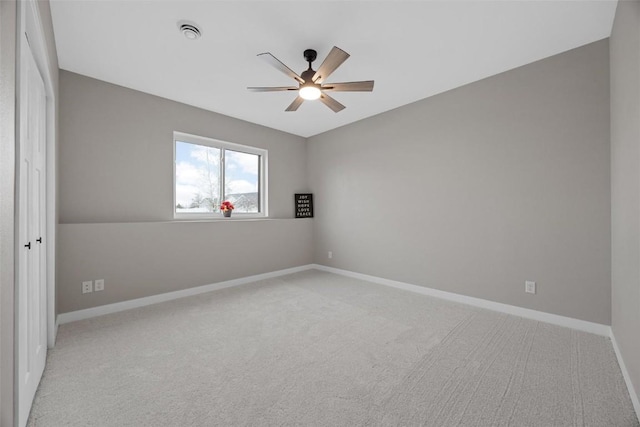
<point x="227" y="206"/>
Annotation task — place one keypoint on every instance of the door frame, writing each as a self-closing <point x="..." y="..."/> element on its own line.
<point x="29" y="22"/>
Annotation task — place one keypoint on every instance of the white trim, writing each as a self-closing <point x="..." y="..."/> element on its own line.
<point x="625" y="374"/>
<point x="41" y="55"/>
<point x="31" y="37"/>
<point x="568" y="322"/>
<point x="154" y="299"/>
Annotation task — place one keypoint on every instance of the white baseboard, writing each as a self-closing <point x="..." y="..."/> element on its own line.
<point x="581" y="325"/>
<point x="555" y="319"/>
<point x="625" y="374"/>
<point x="168" y="296"/>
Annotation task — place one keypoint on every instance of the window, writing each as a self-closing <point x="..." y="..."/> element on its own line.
<point x="208" y="172"/>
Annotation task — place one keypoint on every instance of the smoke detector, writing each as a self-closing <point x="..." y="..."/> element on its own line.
<point x="189" y="30"/>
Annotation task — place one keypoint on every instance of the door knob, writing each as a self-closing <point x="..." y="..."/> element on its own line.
<point x="39" y="240"/>
<point x="28" y="245"/>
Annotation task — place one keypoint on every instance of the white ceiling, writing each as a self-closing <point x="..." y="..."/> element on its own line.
<point x="412" y="49"/>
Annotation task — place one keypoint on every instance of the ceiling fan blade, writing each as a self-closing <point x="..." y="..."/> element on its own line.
<point x="331" y="103"/>
<point x="295" y="104"/>
<point x="335" y="58"/>
<point x="365" y="86"/>
<point x="275" y="62"/>
<point x="272" y="89"/>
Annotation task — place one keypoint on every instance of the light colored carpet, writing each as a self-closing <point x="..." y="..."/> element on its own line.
<point x="315" y="348"/>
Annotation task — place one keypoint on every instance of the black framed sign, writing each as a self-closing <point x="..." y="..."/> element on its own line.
<point x="304" y="205"/>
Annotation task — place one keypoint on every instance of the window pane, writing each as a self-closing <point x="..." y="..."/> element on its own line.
<point x="241" y="172"/>
<point x="197" y="178"/>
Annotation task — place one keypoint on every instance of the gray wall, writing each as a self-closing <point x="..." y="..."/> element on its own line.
<point x="116" y="152"/>
<point x="625" y="184"/>
<point x="142" y="259"/>
<point x="478" y="189"/>
<point x="116" y="199"/>
<point x="7" y="203"/>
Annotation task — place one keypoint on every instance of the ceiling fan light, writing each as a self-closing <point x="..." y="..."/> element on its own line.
<point x="309" y="93"/>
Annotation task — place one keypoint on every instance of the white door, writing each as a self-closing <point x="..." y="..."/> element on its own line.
<point x="32" y="300"/>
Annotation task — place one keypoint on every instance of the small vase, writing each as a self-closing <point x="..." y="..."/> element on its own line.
<point x="227" y="213"/>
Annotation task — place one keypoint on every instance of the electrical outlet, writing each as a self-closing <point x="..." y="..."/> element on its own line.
<point x="530" y="287"/>
<point x="99" y="285"/>
<point x="329" y="254"/>
<point x="87" y="287"/>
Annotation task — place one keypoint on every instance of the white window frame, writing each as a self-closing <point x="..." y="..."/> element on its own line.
<point x="224" y="145"/>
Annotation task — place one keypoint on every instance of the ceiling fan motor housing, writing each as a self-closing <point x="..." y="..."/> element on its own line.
<point x="307" y="76"/>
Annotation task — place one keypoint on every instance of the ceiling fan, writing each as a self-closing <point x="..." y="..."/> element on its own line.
<point x="311" y="84"/>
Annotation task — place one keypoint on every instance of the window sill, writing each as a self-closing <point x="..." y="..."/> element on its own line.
<point x="223" y="219"/>
<point x="188" y="221"/>
<point x="206" y="217"/>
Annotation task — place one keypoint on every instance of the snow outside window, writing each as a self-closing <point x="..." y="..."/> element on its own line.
<point x="208" y="172"/>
